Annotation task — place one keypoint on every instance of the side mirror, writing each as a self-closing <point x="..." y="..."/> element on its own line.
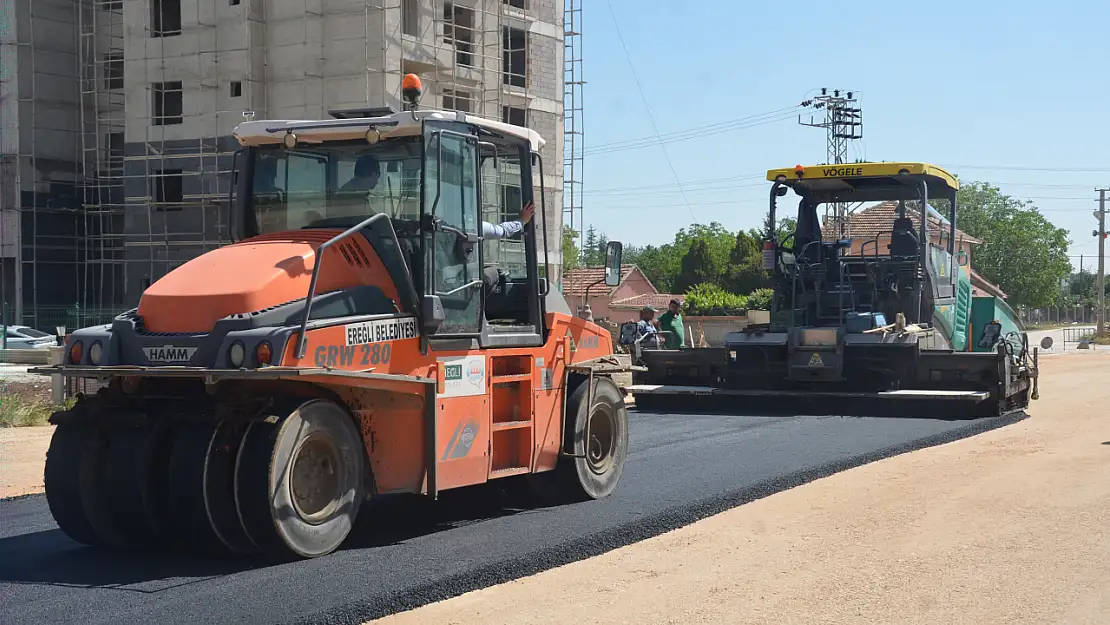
<point x="1046" y="342"/>
<point x="431" y="314"/>
<point x="613" y="252"/>
<point x="992" y="332"/>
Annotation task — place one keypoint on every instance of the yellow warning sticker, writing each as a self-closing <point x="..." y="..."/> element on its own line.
<point x="815" y="360"/>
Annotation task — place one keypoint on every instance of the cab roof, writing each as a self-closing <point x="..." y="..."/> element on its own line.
<point x="863" y="182"/>
<point x="401" y="124"/>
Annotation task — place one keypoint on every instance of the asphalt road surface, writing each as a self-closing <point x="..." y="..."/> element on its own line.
<point x="680" y="469"/>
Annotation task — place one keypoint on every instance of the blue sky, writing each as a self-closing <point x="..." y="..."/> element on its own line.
<point x="1016" y="96"/>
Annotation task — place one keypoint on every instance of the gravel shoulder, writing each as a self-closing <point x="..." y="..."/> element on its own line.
<point x="1008" y="526"/>
<point x="22" y="456"/>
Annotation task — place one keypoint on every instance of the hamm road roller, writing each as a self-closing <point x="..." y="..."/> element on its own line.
<point x="364" y="334"/>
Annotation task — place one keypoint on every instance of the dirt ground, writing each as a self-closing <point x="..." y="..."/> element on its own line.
<point x="22" y="454"/>
<point x="1006" y="527"/>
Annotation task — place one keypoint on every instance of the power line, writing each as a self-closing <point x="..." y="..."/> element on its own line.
<point x="689" y="188"/>
<point x="688" y="134"/>
<point x="671" y="184"/>
<point x="708" y="127"/>
<point x="647" y="107"/>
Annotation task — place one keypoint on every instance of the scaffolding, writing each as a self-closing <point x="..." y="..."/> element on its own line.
<point x="573" y="128"/>
<point x="101" y="58"/>
<point x="156" y="93"/>
<point x="41" y="234"/>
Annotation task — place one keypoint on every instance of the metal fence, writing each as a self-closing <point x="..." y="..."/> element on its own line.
<point x="1058" y="315"/>
<point x="1077" y="335"/>
<point x="49" y="318"/>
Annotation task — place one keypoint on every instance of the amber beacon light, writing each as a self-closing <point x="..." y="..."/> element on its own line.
<point x="411" y="89"/>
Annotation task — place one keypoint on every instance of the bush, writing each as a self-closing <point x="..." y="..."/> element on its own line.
<point x="709" y="300"/>
<point x="760" y="299"/>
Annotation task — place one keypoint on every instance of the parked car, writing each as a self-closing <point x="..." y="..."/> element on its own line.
<point x="25" y="337"/>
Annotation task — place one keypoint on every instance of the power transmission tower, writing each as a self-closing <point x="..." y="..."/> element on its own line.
<point x="1100" y="215"/>
<point x="843" y="122"/>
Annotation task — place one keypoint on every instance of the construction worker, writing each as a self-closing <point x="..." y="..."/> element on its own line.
<point x="671" y="322"/>
<point x="646" y="331"/>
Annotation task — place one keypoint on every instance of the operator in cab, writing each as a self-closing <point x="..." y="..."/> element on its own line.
<point x="367" y="175"/>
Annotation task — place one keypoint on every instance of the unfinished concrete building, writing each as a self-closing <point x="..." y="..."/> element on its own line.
<point x="117" y="118"/>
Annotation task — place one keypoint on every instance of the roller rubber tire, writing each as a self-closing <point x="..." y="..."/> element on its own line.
<point x="580" y="478"/>
<point x="187" y="511"/>
<point x="94" y="491"/>
<point x="219" y="487"/>
<point x="265" y="480"/>
<point x="62" y="478"/>
<point x="129" y="485"/>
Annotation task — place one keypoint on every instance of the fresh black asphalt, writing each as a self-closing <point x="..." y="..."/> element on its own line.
<point x="680" y="469"/>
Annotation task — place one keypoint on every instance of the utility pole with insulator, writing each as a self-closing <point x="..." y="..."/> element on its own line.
<point x="1100" y="214"/>
<point x="843" y="122"/>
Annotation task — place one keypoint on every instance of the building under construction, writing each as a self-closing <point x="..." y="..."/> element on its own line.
<point x="116" y="147"/>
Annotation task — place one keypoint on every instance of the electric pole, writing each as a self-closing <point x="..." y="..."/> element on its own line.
<point x="843" y="122"/>
<point x="1101" y="234"/>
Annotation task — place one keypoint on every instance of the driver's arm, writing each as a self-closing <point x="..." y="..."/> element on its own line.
<point x="502" y="230"/>
<point x="507" y="229"/>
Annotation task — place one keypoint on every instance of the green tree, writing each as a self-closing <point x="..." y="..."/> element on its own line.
<point x="571" y="256"/>
<point x="662" y="264"/>
<point x="785" y="227"/>
<point x="592" y="251"/>
<point x="1022" y="252"/>
<point x="652" y="260"/>
<point x="696" y="267"/>
<point x="744" y="272"/>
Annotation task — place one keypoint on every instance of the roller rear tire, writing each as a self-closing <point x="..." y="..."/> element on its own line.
<point x="594" y="475"/>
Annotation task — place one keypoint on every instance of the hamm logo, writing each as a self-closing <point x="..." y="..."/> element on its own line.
<point x="169" y="353"/>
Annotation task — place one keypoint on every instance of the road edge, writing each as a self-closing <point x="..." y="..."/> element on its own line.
<point x="596" y="544"/>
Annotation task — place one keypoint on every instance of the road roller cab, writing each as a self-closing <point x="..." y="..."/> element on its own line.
<point x="345" y="345"/>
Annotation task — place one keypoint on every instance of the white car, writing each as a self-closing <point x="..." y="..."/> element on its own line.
<point x="25" y="337"/>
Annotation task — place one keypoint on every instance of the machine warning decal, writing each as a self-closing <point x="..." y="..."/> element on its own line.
<point x="815" y="360"/>
<point x="380" y="330"/>
<point x="463" y="376"/>
<point x="169" y="353"/>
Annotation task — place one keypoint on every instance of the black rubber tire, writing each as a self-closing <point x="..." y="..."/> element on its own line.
<point x="128" y="482"/>
<point x="187" y="511"/>
<point x="219" y="487"/>
<point x="94" y="494"/>
<point x="264" y="488"/>
<point x="578" y="477"/>
<point x="62" y="479"/>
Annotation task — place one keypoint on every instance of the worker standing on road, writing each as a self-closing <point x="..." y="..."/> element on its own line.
<point x="671" y="321"/>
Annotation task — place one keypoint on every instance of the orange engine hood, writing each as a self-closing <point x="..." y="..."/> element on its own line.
<point x="255" y="274"/>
